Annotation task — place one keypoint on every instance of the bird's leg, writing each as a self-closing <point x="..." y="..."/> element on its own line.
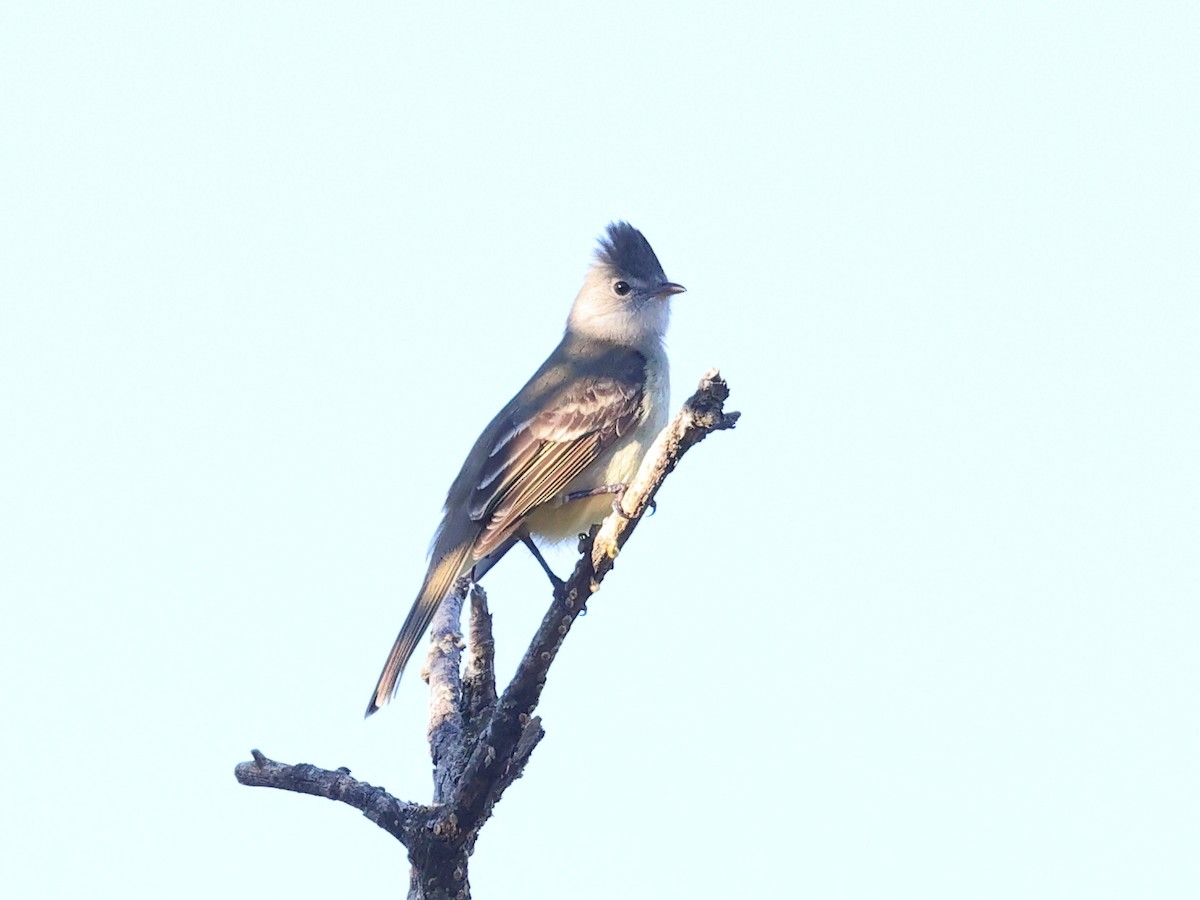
<point x="618" y="489"/>
<point x="559" y="584"/>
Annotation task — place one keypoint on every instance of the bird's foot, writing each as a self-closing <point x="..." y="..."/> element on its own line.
<point x="619" y="508"/>
<point x="618" y="489"/>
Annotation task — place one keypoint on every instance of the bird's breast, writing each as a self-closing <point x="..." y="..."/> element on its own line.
<point x="617" y="465"/>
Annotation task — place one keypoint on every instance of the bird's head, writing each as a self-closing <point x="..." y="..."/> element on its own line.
<point x="626" y="296"/>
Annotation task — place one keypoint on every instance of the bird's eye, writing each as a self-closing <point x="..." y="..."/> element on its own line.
<point x="622" y="288"/>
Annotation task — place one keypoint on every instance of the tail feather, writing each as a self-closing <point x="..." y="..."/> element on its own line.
<point x="438" y="582"/>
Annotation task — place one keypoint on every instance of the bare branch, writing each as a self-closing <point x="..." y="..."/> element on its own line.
<point x="442" y="668"/>
<point x="401" y="820"/>
<point x="479" y="671"/>
<point x="496" y="761"/>
<point x="703" y="414"/>
<point x="481" y="743"/>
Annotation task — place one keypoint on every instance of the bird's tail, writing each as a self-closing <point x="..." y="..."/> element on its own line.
<point x="438" y="581"/>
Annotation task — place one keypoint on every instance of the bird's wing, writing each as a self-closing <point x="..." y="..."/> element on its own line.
<point x="533" y="461"/>
<point x="521" y="460"/>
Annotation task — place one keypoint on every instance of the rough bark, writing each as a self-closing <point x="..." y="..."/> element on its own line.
<point x="480" y="742"/>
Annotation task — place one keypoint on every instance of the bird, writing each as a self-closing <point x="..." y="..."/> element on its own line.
<point x="550" y="462"/>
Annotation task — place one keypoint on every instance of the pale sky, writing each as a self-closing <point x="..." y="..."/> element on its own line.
<point x="924" y="626"/>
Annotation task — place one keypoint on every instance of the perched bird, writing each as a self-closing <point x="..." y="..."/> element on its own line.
<point x="548" y="464"/>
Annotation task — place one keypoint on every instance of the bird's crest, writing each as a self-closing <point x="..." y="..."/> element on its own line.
<point x="625" y="250"/>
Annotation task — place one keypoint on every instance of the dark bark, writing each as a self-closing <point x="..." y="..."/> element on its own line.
<point x="479" y="742"/>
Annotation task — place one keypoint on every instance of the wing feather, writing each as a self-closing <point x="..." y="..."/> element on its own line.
<point x="535" y="460"/>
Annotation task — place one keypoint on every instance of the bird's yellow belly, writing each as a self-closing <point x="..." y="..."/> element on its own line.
<point x="566" y="521"/>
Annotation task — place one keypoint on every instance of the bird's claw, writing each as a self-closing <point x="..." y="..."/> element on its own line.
<point x="619" y="509"/>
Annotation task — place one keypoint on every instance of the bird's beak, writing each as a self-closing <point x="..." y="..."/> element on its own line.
<point x="668" y="289"/>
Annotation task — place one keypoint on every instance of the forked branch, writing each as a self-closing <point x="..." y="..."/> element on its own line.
<point x="481" y="742"/>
